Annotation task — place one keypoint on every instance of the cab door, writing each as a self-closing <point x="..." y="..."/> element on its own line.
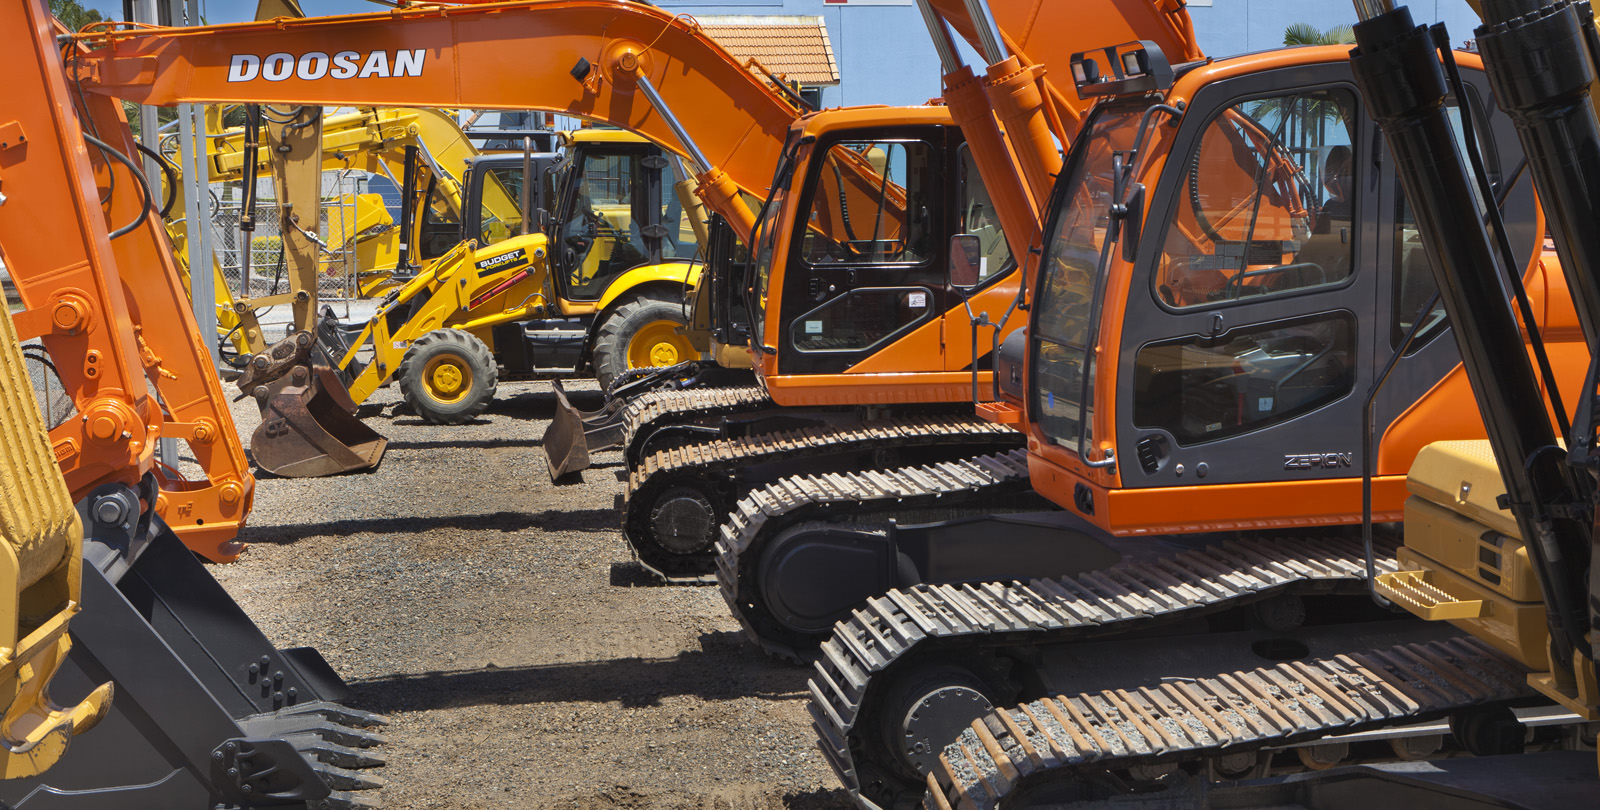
<point x="1285" y="275"/>
<point x="1244" y="349"/>
<point x="865" y="264"/>
<point x="985" y="258"/>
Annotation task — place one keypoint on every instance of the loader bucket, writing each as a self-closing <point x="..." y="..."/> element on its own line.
<point x="574" y="434"/>
<point x="309" y="428"/>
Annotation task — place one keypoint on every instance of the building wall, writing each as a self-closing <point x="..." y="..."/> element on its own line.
<point x="885" y="56"/>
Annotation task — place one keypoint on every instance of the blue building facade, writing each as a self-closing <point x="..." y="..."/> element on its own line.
<point x="885" y="57"/>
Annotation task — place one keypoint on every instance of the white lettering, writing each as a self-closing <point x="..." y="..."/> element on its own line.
<point x="377" y="64"/>
<point x="408" y="63"/>
<point x="278" y="67"/>
<point x="344" y="64"/>
<point x="312" y="66"/>
<point x="243" y="67"/>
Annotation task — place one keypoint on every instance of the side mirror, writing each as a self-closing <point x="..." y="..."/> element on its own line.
<point x="966" y="261"/>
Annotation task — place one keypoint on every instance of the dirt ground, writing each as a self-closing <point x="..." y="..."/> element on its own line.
<point x="522" y="658"/>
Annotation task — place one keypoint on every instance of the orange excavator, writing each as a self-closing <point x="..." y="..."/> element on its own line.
<point x="1225" y="270"/>
<point x="204" y="711"/>
<point x="869" y="349"/>
<point x="1499" y="536"/>
<point x="776" y="576"/>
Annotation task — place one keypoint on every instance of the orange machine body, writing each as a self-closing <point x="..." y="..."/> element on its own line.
<point x="1304" y="469"/>
<point x="112" y="315"/>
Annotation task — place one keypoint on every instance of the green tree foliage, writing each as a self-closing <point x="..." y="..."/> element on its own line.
<point x="1303" y="34"/>
<point x="73" y="15"/>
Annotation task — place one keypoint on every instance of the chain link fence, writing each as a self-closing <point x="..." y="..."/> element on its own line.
<point x="338" y="264"/>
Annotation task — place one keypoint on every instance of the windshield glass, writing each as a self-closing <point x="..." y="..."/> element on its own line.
<point x="765" y="236"/>
<point x="1069" y="267"/>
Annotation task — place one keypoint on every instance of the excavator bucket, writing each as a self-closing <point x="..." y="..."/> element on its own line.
<point x="573" y="434"/>
<point x="309" y="428"/>
<point x="206" y="711"/>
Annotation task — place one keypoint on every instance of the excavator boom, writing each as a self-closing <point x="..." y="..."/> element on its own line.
<point x="468" y="56"/>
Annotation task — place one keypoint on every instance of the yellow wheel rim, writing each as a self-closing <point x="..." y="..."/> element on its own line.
<point x="658" y="344"/>
<point x="447" y="378"/>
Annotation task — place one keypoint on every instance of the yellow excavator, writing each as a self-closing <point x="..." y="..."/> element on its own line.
<point x="41" y="581"/>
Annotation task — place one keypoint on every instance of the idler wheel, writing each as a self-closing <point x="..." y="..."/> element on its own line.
<point x="683" y="521"/>
<point x="928" y="710"/>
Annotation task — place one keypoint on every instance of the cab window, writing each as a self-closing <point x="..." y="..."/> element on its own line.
<point x="870" y="203"/>
<point x="1203" y="389"/>
<point x="500" y="207"/>
<point x="1267" y="202"/>
<point x="978" y="218"/>
<point x="679" y="241"/>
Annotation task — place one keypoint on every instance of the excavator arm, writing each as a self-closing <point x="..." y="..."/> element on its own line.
<point x="1019" y="116"/>
<point x="125" y="347"/>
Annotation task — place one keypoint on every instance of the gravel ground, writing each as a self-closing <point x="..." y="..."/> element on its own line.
<point x="522" y="658"/>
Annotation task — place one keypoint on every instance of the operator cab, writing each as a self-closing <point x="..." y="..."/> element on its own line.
<point x="618" y="211"/>
<point x="857" y="223"/>
<point x="494" y="194"/>
<point x="1245" y="263"/>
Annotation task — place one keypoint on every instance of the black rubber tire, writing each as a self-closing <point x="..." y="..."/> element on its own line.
<point x="610" y="353"/>
<point x="463" y="350"/>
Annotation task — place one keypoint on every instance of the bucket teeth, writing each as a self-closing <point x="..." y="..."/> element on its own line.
<point x="344" y="779"/>
<point x="342" y="756"/>
<point x="335" y="712"/>
<point x="336" y="740"/>
<point x="344" y="800"/>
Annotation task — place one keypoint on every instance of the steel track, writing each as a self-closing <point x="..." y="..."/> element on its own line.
<point x="713" y="469"/>
<point x="852" y="674"/>
<point x="929" y="491"/>
<point x="1083" y="736"/>
<point x="652" y="410"/>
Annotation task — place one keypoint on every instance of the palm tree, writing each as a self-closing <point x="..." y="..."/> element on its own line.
<point x="1305" y="34"/>
<point x="73" y="15"/>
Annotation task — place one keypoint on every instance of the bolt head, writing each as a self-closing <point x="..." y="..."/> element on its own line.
<point x="104" y="427"/>
<point x="110" y="511"/>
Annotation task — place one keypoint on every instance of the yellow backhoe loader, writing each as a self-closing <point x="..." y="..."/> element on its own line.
<point x="497" y="304"/>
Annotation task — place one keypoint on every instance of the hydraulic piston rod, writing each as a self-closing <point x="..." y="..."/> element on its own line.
<point x="701" y="164"/>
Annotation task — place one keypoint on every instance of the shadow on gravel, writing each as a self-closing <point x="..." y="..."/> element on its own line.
<point x="724" y="670"/>
<point x="633" y="575"/>
<point x="542" y="404"/>
<point x="592" y="520"/>
<point x="626" y="798"/>
<point x="446" y="444"/>
<point x="414" y="421"/>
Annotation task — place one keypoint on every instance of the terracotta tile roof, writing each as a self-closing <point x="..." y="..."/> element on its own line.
<point x="795" y="47"/>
